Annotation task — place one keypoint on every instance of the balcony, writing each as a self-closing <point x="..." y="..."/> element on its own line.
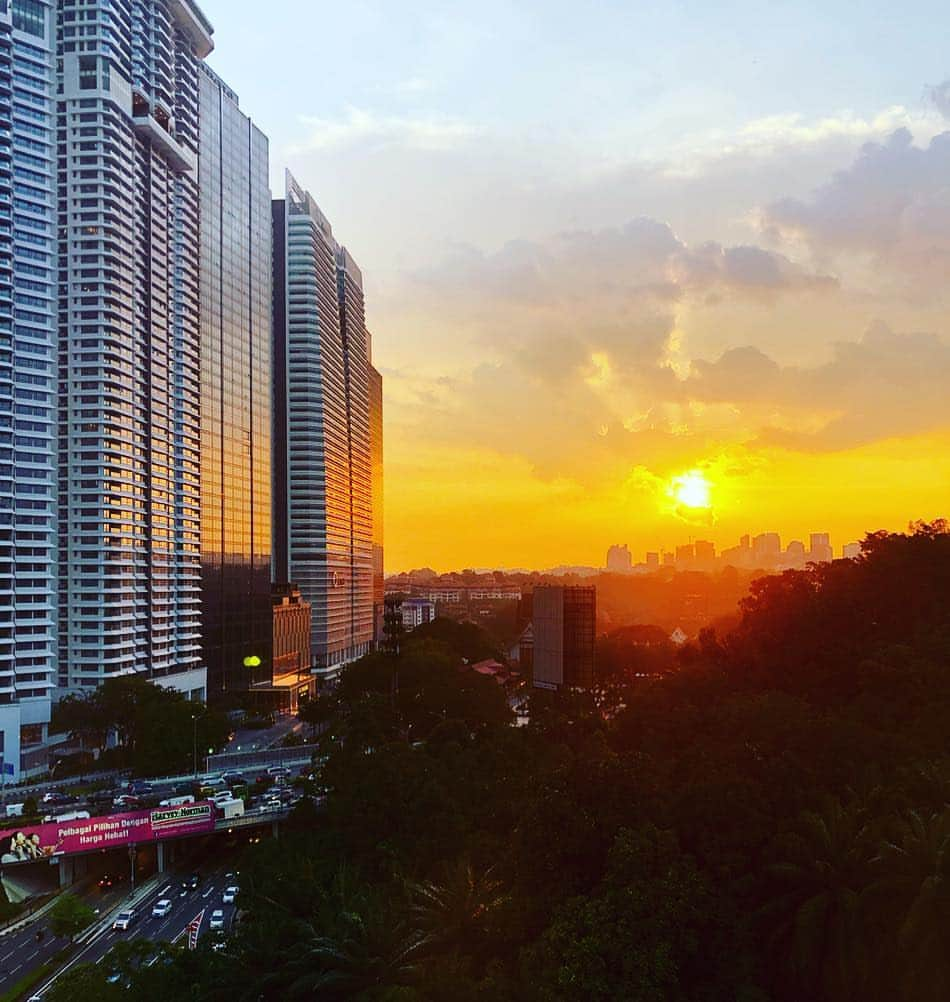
<point x="179" y="157"/>
<point x="194" y="24"/>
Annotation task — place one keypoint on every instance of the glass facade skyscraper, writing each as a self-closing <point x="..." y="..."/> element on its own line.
<point x="376" y="465"/>
<point x="356" y="365"/>
<point x="28" y="452"/>
<point x="323" y="537"/>
<point x="129" y="360"/>
<point x="235" y="297"/>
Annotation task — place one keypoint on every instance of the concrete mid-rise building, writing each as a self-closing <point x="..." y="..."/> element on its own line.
<point x="289" y="679"/>
<point x="416" y="612"/>
<point x="129" y="348"/>
<point x="563" y="628"/>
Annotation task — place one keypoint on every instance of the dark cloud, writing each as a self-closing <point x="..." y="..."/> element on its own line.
<point x="893" y="203"/>
<point x="746" y="268"/>
<point x="940" y="96"/>
<point x="886" y="385"/>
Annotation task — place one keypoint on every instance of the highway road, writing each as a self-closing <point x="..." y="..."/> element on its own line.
<point x="21" y="952"/>
<point x="185" y="906"/>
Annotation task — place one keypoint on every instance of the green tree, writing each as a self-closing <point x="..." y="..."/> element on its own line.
<point x="69" y="916"/>
<point x="643" y="934"/>
<point x="816" y="915"/>
<point x="83" y="718"/>
<point x="454" y="910"/>
<point x="372" y="952"/>
<point x="914" y="885"/>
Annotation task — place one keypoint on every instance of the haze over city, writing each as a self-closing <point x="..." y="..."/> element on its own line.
<point x="473" y="486"/>
<point x="605" y="251"/>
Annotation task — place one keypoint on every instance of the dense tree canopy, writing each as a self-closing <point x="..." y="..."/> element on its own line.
<point x="152" y="725"/>
<point x="768" y="822"/>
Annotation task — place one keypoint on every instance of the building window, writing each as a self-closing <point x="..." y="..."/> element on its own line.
<point x="29" y="16"/>
<point x="31" y="734"/>
<point x="87" y="73"/>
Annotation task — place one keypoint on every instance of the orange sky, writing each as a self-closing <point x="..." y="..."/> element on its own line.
<point x="602" y="251"/>
<point x="558" y="385"/>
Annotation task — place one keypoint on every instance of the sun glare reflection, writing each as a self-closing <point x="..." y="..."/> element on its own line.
<point x="692" y="490"/>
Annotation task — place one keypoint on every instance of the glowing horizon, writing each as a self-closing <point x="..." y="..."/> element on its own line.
<point x="745" y="276"/>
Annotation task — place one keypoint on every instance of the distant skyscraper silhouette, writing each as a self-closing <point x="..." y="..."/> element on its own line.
<point x="619" y="559"/>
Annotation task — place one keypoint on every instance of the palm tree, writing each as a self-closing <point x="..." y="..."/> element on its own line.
<point x="452" y="912"/>
<point x="915" y="883"/>
<point x="816" y="915"/>
<point x="369" y="951"/>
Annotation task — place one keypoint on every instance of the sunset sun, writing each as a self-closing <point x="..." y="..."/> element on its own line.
<point x="692" y="490"/>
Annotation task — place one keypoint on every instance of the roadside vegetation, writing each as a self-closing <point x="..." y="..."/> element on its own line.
<point x="765" y="820"/>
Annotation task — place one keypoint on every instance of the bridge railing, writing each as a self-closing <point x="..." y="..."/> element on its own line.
<point x="293" y="755"/>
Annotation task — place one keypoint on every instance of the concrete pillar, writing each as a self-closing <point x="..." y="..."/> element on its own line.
<point x="66" y="871"/>
<point x="275" y="827"/>
<point x="160" y="856"/>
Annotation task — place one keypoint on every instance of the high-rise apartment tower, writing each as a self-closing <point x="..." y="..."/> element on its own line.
<point x="129" y="359"/>
<point x="322" y="467"/>
<point x="28" y="372"/>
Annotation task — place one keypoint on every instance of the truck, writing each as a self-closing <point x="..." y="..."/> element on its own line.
<point x="14" y="810"/>
<point x="231" y="808"/>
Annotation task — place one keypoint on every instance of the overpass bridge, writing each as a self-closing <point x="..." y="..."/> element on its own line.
<point x="69" y="844"/>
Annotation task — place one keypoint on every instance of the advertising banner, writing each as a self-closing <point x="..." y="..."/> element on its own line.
<point x="44" y="841"/>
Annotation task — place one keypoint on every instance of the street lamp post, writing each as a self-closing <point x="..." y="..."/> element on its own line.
<point x="132" y="867"/>
<point x="194" y="742"/>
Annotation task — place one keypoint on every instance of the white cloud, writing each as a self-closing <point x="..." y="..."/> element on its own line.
<point x="360" y="127"/>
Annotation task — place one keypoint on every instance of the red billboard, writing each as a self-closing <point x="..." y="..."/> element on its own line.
<point x="35" y="842"/>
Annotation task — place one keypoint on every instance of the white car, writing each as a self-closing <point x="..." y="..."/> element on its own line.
<point x="271" y="805"/>
<point x="217" y="919"/>
<point x="124" y="920"/>
<point x="230" y="893"/>
<point x="220" y="798"/>
<point x="161" y="908"/>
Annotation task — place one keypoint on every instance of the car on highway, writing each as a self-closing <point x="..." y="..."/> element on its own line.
<point x="278" y="770"/>
<point x="220" y="798"/>
<point x="161" y="908"/>
<point x="217" y="919"/>
<point x="106" y="881"/>
<point x="124" y="920"/>
<point x="234" y="778"/>
<point x="57" y="797"/>
<point x="139" y="787"/>
<point x="230" y="893"/>
<point x="190" y="883"/>
<point x="271" y="805"/>
<point x="180" y="801"/>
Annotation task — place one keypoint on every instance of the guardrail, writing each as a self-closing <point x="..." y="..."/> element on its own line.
<point x="292" y="755"/>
